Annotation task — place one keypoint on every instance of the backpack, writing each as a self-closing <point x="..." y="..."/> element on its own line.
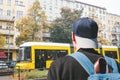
<point x="89" y="67"/>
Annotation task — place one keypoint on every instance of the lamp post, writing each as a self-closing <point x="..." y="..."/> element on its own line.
<point x="8" y="43"/>
<point x="9" y="38"/>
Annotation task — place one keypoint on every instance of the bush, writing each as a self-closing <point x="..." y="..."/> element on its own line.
<point x="37" y="74"/>
<point x="33" y="74"/>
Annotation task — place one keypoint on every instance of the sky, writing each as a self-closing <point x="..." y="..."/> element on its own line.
<point x="112" y="6"/>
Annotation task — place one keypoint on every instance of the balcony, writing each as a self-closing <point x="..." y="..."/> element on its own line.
<point x="6" y="18"/>
<point x="7" y="32"/>
<point x="116" y="31"/>
<point x="11" y="46"/>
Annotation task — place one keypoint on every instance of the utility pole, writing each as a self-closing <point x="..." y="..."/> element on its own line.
<point x="9" y="38"/>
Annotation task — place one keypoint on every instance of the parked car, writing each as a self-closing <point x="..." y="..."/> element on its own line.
<point x="11" y="64"/>
<point x="3" y="68"/>
<point x="3" y="65"/>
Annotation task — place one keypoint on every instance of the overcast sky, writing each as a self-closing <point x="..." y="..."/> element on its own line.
<point x="112" y="6"/>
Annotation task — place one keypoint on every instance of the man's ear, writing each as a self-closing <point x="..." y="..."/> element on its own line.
<point x="73" y="37"/>
<point x="74" y="40"/>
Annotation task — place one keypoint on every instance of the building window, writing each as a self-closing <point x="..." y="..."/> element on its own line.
<point x="7" y="39"/>
<point x="77" y="6"/>
<point x="103" y="11"/>
<point x="81" y="6"/>
<point x="19" y="3"/>
<point x="1" y="11"/>
<point x="9" y="2"/>
<point x="90" y="8"/>
<point x="19" y="14"/>
<point x="44" y="8"/>
<point x="100" y="11"/>
<point x="16" y="2"/>
<point x="50" y="8"/>
<point x="8" y="26"/>
<point x="1" y="1"/>
<point x="8" y="12"/>
<point x="0" y="25"/>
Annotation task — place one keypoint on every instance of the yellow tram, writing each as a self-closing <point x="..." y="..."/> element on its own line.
<point x="39" y="55"/>
<point x="111" y="51"/>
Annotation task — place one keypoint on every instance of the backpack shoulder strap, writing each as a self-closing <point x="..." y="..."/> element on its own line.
<point x="112" y="63"/>
<point x="84" y="61"/>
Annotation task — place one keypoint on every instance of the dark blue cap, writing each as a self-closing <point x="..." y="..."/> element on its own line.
<point x="85" y="27"/>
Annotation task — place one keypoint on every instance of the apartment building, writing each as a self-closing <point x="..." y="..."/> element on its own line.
<point x="52" y="9"/>
<point x="10" y="11"/>
<point x="108" y="23"/>
<point x="113" y="30"/>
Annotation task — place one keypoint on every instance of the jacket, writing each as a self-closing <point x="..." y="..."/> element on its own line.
<point x="67" y="68"/>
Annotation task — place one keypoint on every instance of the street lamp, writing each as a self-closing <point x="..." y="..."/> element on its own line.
<point x="9" y="38"/>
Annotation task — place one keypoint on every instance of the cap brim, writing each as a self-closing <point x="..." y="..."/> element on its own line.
<point x="86" y="42"/>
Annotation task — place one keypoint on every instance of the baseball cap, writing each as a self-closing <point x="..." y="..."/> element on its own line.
<point x="85" y="30"/>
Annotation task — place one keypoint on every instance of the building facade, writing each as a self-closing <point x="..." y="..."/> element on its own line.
<point x="52" y="9"/>
<point x="13" y="10"/>
<point x="113" y="30"/>
<point x="10" y="11"/>
<point x="106" y="21"/>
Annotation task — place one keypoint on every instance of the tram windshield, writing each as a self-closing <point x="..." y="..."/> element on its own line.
<point x="24" y="54"/>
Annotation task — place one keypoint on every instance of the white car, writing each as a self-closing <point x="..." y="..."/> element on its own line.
<point x="3" y="65"/>
<point x="3" y="68"/>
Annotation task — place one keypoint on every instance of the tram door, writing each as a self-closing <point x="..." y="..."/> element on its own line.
<point x="40" y="59"/>
<point x="43" y="57"/>
<point x="111" y="52"/>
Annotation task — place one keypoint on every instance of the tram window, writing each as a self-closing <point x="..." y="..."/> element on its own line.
<point x="19" y="54"/>
<point x="62" y="53"/>
<point x="53" y="54"/>
<point x="112" y="54"/>
<point x="27" y="54"/>
<point x="49" y="55"/>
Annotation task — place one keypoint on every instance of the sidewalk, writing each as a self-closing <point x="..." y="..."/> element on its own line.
<point x="15" y="77"/>
<point x="4" y="78"/>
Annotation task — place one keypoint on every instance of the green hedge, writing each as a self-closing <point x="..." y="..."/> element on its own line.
<point x="37" y="74"/>
<point x="34" y="74"/>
